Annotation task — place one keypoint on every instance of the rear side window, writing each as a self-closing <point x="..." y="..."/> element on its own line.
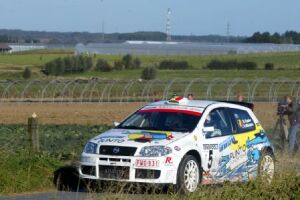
<point x="243" y="120"/>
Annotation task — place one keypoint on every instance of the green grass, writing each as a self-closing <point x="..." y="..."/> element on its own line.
<point x="21" y="171"/>
<point x="11" y="66"/>
<point x="193" y="74"/>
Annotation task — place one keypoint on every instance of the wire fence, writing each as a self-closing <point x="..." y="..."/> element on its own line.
<point x="95" y="90"/>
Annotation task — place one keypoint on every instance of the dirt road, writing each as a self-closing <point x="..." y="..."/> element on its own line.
<point x="95" y="113"/>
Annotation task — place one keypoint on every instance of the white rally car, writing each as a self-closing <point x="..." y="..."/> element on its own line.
<point x="181" y="142"/>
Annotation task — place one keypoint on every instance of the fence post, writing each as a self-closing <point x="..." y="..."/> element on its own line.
<point x="33" y="133"/>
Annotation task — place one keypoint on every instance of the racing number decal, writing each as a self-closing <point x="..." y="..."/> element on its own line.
<point x="210" y="158"/>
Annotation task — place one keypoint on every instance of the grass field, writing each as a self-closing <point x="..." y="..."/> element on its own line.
<point x="12" y="65"/>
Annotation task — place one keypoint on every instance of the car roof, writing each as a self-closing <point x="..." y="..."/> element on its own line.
<point x="189" y="103"/>
<point x="200" y="104"/>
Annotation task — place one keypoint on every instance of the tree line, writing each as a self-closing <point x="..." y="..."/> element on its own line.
<point x="289" y="37"/>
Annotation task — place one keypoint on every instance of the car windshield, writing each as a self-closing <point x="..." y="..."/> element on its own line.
<point x="163" y="120"/>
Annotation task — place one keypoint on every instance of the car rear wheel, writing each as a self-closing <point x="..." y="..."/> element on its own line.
<point x="188" y="175"/>
<point x="266" y="166"/>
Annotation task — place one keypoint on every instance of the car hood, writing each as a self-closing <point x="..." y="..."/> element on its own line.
<point x="125" y="137"/>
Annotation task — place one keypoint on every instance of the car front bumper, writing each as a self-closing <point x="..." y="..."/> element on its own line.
<point x="126" y="169"/>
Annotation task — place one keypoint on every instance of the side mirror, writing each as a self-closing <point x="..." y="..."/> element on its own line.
<point x="116" y="124"/>
<point x="208" y="129"/>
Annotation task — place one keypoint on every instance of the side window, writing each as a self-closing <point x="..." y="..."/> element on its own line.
<point x="243" y="120"/>
<point x="218" y="119"/>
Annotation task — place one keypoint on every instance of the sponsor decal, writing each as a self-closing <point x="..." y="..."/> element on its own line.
<point x="225" y="144"/>
<point x="245" y="123"/>
<point x="210" y="146"/>
<point x="177" y="148"/>
<point x="112" y="140"/>
<point x="146" y="163"/>
<point x="169" y="161"/>
<point x="147" y="136"/>
<point x="110" y="136"/>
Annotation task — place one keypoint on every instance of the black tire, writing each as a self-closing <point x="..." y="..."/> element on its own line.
<point x="266" y="166"/>
<point x="181" y="185"/>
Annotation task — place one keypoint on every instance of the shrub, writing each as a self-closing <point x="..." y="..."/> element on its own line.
<point x="149" y="73"/>
<point x="247" y="65"/>
<point x="103" y="65"/>
<point x="231" y="64"/>
<point x="137" y="63"/>
<point x="27" y="73"/>
<point x="269" y="66"/>
<point x="118" y="65"/>
<point x="170" y="64"/>
<point x="68" y="64"/>
<point x="127" y="61"/>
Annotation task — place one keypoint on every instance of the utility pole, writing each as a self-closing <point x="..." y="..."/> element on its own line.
<point x="168" y="25"/>
<point x="228" y="31"/>
<point x="103" y="33"/>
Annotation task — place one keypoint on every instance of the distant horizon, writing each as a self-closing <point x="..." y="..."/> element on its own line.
<point x="193" y="17"/>
<point x="211" y="34"/>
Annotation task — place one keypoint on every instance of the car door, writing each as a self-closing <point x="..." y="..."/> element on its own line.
<point x="218" y="131"/>
<point x="249" y="139"/>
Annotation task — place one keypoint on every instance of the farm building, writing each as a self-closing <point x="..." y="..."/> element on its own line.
<point x="4" y="48"/>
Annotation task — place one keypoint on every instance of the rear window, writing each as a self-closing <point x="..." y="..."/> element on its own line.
<point x="243" y="120"/>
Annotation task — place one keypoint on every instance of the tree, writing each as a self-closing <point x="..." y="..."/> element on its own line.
<point x="149" y="73"/>
<point x="127" y="60"/>
<point x="27" y="73"/>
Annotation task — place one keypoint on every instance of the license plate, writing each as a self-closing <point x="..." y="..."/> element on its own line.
<point x="146" y="163"/>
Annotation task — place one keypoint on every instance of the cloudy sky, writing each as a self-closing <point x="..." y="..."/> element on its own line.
<point x="198" y="17"/>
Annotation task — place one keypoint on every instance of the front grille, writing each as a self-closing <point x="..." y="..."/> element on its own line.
<point x="117" y="150"/>
<point x="147" y="174"/>
<point x="114" y="172"/>
<point x="88" y="170"/>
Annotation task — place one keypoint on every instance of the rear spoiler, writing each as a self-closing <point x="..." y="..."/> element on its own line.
<point x="245" y="104"/>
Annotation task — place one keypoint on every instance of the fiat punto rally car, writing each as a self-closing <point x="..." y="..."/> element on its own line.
<point x="181" y="142"/>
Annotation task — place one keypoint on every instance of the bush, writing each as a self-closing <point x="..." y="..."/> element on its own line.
<point x="170" y="64"/>
<point x="68" y="64"/>
<point x="149" y="73"/>
<point x="269" y="66"/>
<point x="27" y="73"/>
<point x="137" y="63"/>
<point x="231" y="64"/>
<point x="118" y="65"/>
<point x="127" y="61"/>
<point x="103" y="65"/>
<point x="247" y="65"/>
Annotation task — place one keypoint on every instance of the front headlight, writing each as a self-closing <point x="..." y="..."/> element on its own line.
<point x="155" y="151"/>
<point x="90" y="147"/>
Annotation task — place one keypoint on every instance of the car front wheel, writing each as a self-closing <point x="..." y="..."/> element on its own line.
<point x="188" y="175"/>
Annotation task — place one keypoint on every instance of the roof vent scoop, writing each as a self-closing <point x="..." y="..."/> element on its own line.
<point x="178" y="100"/>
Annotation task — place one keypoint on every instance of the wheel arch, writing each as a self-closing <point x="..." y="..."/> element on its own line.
<point x="196" y="154"/>
<point x="268" y="149"/>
